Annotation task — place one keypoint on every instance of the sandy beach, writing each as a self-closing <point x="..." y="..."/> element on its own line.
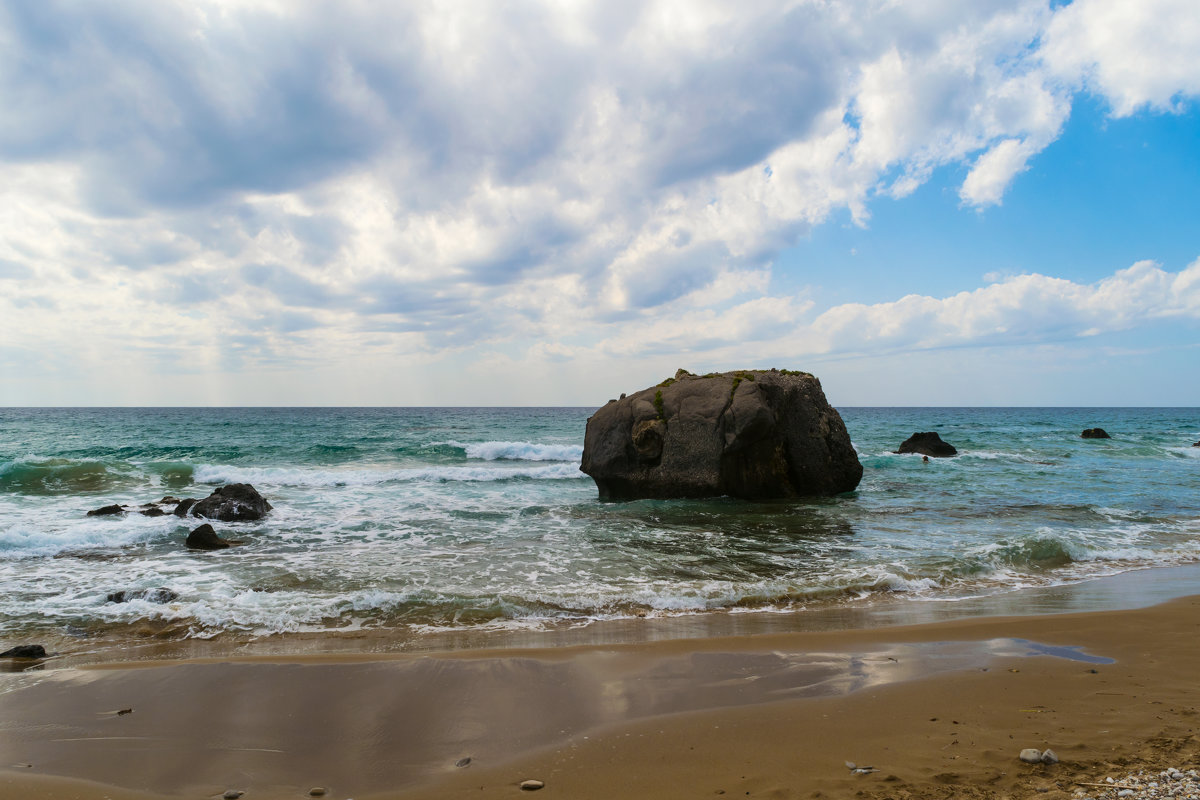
<point x="939" y="709"/>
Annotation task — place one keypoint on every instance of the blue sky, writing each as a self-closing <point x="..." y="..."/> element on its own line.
<point x="258" y="202"/>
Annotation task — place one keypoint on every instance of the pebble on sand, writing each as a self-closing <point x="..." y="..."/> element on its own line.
<point x="532" y="786"/>
<point x="1049" y="757"/>
<point x="232" y="794"/>
<point x="316" y="791"/>
<point x="1031" y="755"/>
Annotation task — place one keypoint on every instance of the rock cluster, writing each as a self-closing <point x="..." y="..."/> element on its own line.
<point x="928" y="443"/>
<point x="235" y="502"/>
<point x="1168" y="783"/>
<point x="1031" y="755"/>
<point x="753" y="434"/>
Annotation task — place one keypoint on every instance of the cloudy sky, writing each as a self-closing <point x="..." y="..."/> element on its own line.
<point x="281" y="202"/>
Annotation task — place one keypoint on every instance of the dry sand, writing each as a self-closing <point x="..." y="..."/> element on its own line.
<point x="941" y="710"/>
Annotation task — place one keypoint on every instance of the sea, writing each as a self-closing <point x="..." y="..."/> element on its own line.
<point x="415" y="522"/>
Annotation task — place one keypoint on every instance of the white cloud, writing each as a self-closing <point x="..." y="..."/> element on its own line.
<point x="225" y="185"/>
<point x="1132" y="53"/>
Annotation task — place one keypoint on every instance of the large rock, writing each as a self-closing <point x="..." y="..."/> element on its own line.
<point x="236" y="502"/>
<point x="753" y="434"/>
<point x="1095" y="433"/>
<point x="928" y="444"/>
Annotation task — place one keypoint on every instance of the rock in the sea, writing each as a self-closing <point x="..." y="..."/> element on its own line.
<point x="1095" y="433"/>
<point x="153" y="511"/>
<point x="1197" y="444"/>
<point x="760" y="435"/>
<point x="184" y="506"/>
<point x="235" y="502"/>
<point x="205" y="538"/>
<point x="25" y="651"/>
<point x="106" y="511"/>
<point x="160" y="595"/>
<point x="928" y="444"/>
<point x="1031" y="755"/>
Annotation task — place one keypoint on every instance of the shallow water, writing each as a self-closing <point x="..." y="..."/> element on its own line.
<point x="427" y="520"/>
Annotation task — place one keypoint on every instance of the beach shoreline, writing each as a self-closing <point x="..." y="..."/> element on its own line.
<point x="942" y="708"/>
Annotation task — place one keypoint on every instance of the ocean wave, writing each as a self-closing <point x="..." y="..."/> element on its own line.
<point x="52" y="476"/>
<point x="293" y="476"/>
<point x="518" y="451"/>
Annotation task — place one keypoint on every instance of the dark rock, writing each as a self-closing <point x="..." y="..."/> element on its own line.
<point x="1095" y="433"/>
<point x="25" y="651"/>
<point x="928" y="444"/>
<point x="205" y="538"/>
<point x="154" y="511"/>
<point x="168" y="500"/>
<point x="751" y="434"/>
<point x="159" y="595"/>
<point x="184" y="506"/>
<point x="236" y="502"/>
<point x="106" y="511"/>
<point x="1197" y="444"/>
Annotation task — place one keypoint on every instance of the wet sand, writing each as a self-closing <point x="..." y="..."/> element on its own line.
<point x="941" y="709"/>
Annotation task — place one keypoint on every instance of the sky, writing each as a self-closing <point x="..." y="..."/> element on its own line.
<point x="284" y="202"/>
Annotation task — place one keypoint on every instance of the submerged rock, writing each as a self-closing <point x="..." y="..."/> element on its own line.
<point x="754" y="434"/>
<point x="928" y="444"/>
<point x="1095" y="433"/>
<point x="159" y="595"/>
<point x="25" y="651"/>
<point x="236" y="502"/>
<point x="205" y="538"/>
<point x="106" y="511"/>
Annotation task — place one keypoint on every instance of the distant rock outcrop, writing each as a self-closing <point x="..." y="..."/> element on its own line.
<point x="754" y="434"/>
<point x="928" y="444"/>
<point x="1095" y="433"/>
<point x="235" y="502"/>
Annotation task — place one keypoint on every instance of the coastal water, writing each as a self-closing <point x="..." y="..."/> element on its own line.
<point x="427" y="520"/>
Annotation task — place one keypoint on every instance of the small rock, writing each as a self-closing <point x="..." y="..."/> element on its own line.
<point x="106" y="511"/>
<point x="183" y="507"/>
<point x="1125" y="793"/>
<point x="1095" y="433"/>
<point x="851" y="765"/>
<point x="232" y="794"/>
<point x="928" y="443"/>
<point x="205" y="538"/>
<point x="154" y="511"/>
<point x="531" y="786"/>
<point x="462" y="762"/>
<point x="25" y="651"/>
<point x="124" y="711"/>
<point x="1031" y="755"/>
<point x="1049" y="757"/>
<point x="316" y="791"/>
<point x="170" y="500"/>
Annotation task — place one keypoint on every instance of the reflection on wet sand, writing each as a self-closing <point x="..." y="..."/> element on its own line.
<point x="372" y="725"/>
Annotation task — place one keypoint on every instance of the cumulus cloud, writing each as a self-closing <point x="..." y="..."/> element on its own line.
<point x="265" y="178"/>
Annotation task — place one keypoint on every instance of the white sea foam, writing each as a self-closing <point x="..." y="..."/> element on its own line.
<point x="520" y="451"/>
<point x="293" y="476"/>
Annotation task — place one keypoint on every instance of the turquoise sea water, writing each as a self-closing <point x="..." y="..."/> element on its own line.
<point x="428" y="519"/>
